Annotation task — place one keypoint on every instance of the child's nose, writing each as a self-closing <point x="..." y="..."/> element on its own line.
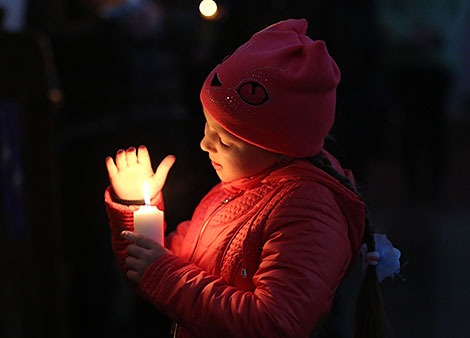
<point x="206" y="144"/>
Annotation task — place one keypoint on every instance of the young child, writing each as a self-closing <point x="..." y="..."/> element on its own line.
<point x="267" y="247"/>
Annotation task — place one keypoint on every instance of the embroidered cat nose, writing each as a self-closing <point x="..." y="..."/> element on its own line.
<point x="215" y="81"/>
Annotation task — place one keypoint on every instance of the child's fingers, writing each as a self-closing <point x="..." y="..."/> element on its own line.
<point x="143" y="156"/>
<point x="121" y="162"/>
<point x="140" y="240"/>
<point x="133" y="276"/>
<point x="131" y="158"/>
<point x="162" y="171"/>
<point x="135" y="251"/>
<point x="112" y="170"/>
<point x="133" y="263"/>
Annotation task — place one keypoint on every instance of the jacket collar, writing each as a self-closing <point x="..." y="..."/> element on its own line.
<point x="252" y="181"/>
<point x="294" y="169"/>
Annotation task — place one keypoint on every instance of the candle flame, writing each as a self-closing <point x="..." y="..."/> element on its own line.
<point x="146" y="193"/>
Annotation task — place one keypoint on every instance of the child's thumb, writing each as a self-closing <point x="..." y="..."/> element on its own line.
<point x="163" y="169"/>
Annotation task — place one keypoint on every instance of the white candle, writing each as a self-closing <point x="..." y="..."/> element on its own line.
<point x="148" y="220"/>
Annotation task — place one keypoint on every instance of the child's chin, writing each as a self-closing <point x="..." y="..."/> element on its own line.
<point x="223" y="177"/>
<point x="227" y="179"/>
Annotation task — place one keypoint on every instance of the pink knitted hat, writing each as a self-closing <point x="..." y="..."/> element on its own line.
<point x="277" y="91"/>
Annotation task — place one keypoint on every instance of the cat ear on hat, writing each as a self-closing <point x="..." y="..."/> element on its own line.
<point x="324" y="70"/>
<point x="300" y="26"/>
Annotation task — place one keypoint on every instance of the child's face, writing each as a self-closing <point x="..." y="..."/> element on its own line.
<point x="233" y="158"/>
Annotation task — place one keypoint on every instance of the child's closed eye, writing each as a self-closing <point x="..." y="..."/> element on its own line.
<point x="224" y="144"/>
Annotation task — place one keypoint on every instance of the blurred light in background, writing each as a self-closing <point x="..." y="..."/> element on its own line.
<point x="208" y="9"/>
<point x="15" y="11"/>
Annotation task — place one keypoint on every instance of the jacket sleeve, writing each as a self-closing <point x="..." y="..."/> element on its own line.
<point x="121" y="217"/>
<point x="304" y="256"/>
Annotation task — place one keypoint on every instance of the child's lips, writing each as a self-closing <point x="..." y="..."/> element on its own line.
<point x="216" y="165"/>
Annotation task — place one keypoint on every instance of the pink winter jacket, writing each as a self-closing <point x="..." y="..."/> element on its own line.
<point x="261" y="257"/>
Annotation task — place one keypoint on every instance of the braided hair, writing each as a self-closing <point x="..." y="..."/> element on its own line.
<point x="370" y="318"/>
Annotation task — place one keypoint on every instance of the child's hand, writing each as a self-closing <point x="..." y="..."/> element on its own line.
<point x="141" y="254"/>
<point x="127" y="176"/>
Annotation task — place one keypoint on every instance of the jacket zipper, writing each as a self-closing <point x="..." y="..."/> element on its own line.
<point x="222" y="204"/>
<point x="225" y="201"/>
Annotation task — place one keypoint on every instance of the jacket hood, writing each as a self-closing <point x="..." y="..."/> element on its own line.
<point x="350" y="203"/>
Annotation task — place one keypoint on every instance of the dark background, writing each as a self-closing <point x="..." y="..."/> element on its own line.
<point x="78" y="82"/>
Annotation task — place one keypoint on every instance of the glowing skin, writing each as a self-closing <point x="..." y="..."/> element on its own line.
<point x="233" y="158"/>
<point x="131" y="168"/>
